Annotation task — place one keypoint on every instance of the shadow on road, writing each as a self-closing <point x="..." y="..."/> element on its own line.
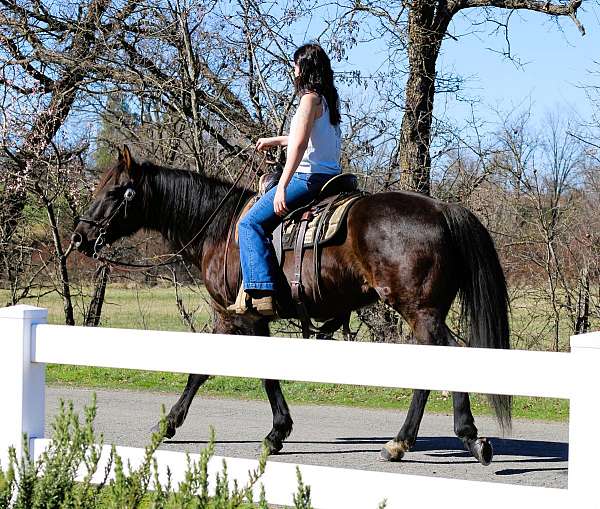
<point x="502" y="446"/>
<point x="531" y="450"/>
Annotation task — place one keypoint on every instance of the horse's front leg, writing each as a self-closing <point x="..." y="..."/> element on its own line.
<point x="222" y="324"/>
<point x="179" y="411"/>
<point x="282" y="420"/>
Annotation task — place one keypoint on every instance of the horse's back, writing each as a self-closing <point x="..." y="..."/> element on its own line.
<point x="405" y="215"/>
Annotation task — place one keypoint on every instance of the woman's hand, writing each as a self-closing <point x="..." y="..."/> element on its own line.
<point x="273" y="141"/>
<point x="279" y="201"/>
<point x="265" y="143"/>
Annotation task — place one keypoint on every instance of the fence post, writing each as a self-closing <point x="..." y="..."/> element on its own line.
<point x="584" y="419"/>
<point x="22" y="383"/>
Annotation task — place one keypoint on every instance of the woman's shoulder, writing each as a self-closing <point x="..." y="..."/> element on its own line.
<point x="310" y="98"/>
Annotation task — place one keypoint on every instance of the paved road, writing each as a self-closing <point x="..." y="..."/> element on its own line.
<point x="535" y="454"/>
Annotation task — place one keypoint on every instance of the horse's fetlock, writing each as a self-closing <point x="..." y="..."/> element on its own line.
<point x="394" y="450"/>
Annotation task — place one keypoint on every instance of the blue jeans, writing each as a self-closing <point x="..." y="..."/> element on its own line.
<point x="259" y="264"/>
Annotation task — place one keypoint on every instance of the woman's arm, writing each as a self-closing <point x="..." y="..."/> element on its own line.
<point x="274" y="141"/>
<point x="296" y="143"/>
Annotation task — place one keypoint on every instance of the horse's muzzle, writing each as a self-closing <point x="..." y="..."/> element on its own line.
<point x="81" y="241"/>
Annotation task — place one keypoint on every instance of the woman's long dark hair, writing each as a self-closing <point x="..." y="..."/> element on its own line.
<point x="316" y="75"/>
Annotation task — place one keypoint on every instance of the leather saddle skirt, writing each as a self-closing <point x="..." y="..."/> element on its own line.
<point x="326" y="219"/>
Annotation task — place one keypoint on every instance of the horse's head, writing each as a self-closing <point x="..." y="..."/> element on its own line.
<point x="116" y="210"/>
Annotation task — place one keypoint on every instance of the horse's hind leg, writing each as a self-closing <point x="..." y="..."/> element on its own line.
<point x="394" y="450"/>
<point x="428" y="329"/>
<point x="464" y="423"/>
<point x="464" y="427"/>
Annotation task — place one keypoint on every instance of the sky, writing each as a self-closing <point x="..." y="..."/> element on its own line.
<point x="554" y="65"/>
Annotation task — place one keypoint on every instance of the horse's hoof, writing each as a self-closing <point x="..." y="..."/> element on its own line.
<point x="272" y="446"/>
<point x="170" y="432"/>
<point x="481" y="449"/>
<point x="392" y="451"/>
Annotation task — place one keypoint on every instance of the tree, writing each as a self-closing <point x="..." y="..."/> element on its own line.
<point x="419" y="28"/>
<point x="49" y="56"/>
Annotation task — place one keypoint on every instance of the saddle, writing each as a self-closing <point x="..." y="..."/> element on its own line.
<point x="313" y="226"/>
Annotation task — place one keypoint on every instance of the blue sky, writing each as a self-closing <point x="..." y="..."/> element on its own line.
<point x="555" y="63"/>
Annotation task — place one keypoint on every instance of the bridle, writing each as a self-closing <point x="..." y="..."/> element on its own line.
<point x="103" y="224"/>
<point x="128" y="197"/>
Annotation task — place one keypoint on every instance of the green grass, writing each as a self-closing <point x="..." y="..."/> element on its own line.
<point x="296" y="392"/>
<point x="151" y="308"/>
<point x="154" y="308"/>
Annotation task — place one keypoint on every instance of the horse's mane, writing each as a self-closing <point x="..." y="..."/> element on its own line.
<point x="178" y="202"/>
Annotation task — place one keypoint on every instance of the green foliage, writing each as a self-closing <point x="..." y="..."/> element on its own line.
<point x="61" y="478"/>
<point x="49" y="482"/>
<point x="302" y="496"/>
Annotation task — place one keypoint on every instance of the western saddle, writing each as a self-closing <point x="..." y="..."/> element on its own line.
<point x="310" y="227"/>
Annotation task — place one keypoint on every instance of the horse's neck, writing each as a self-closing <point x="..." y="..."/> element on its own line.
<point x="181" y="207"/>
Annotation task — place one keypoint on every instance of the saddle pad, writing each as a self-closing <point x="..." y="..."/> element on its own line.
<point x="335" y="219"/>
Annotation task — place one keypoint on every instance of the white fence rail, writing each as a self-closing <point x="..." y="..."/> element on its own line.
<point x="27" y="343"/>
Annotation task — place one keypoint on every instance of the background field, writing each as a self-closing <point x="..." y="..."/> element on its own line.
<point x="155" y="309"/>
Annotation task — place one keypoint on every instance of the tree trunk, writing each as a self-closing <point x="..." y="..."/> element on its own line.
<point x="92" y="318"/>
<point x="582" y="324"/>
<point x="426" y="30"/>
<point x="61" y="263"/>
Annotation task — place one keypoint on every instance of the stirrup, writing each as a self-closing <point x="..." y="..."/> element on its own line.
<point x="264" y="306"/>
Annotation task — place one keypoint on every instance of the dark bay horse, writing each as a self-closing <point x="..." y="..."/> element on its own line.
<point x="412" y="252"/>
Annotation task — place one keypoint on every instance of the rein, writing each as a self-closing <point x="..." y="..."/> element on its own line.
<point x="128" y="197"/>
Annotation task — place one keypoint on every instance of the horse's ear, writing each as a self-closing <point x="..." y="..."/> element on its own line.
<point x="128" y="165"/>
<point x="125" y="158"/>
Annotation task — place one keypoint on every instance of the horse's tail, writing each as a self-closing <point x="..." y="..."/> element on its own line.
<point x="482" y="292"/>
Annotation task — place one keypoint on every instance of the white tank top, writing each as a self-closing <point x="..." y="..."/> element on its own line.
<point x="322" y="155"/>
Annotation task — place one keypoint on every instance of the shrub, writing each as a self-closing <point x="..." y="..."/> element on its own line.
<point x="50" y="481"/>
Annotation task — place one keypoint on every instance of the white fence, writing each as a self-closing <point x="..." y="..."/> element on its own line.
<point x="27" y="343"/>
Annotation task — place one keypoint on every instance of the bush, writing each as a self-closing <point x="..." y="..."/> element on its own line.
<point x="49" y="482"/>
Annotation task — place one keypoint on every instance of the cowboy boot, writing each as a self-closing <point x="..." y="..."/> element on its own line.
<point x="241" y="304"/>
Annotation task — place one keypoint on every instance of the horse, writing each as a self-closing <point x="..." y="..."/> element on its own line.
<point x="413" y="252"/>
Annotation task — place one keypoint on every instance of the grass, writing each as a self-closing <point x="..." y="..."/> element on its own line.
<point x="151" y="308"/>
<point x="154" y="308"/>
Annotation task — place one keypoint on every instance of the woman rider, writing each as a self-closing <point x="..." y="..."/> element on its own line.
<point x="313" y="155"/>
